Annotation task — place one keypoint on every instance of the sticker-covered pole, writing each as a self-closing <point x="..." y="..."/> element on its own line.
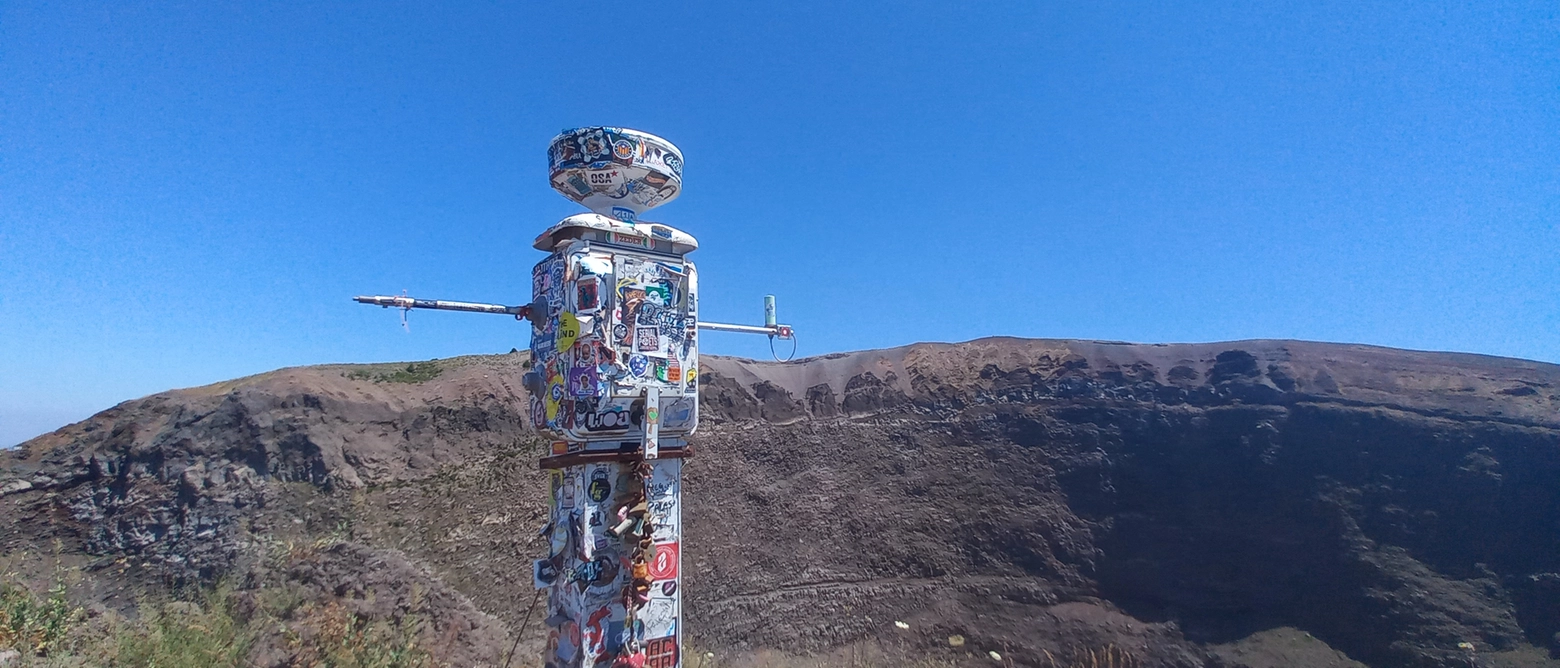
<point x="614" y="360"/>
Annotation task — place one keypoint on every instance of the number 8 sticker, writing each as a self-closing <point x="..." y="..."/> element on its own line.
<point x="663" y="566"/>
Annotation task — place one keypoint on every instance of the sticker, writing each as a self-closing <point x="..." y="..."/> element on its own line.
<point x="669" y="588"/>
<point x="583" y="539"/>
<point x="620" y="332"/>
<point x="659" y="294"/>
<point x="569" y="642"/>
<point x="538" y="413"/>
<point x="552" y="406"/>
<point x="663" y="566"/>
<point x="614" y="419"/>
<point x="647" y="339"/>
<point x="599" y="572"/>
<point x="558" y="540"/>
<point x="592" y="635"/>
<point x="662" y="500"/>
<point x="600" y="487"/>
<point x="587" y="294"/>
<point x="568" y="331"/>
<point x="678" y="414"/>
<point x="582" y="381"/>
<point x="661" y="653"/>
<point x="566" y="413"/>
<point x="543" y="573"/>
<point x="673" y="371"/>
<point x="638" y="364"/>
<point x="630" y="240"/>
<point x="659" y="616"/>
<point x="604" y="180"/>
<point x="559" y="448"/>
<point x="623" y="149"/>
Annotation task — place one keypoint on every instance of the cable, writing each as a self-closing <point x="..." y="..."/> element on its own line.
<point x="777" y="355"/>
<point x="523" y="624"/>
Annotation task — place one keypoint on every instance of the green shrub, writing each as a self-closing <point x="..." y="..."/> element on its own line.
<point x="415" y="372"/>
<point x="337" y="638"/>
<point x="32" y="625"/>
<point x="186" y="635"/>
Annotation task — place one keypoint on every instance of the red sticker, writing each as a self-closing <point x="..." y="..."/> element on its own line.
<point x="663" y="566"/>
<point x="661" y="653"/>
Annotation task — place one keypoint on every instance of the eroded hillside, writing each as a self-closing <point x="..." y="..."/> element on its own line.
<point x="1186" y="503"/>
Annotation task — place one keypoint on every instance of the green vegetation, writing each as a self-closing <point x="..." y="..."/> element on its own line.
<point x="178" y="634"/>
<point x="414" y="372"/>
<point x="36" y="625"/>
<point x="210" y="628"/>
<point x="337" y="638"/>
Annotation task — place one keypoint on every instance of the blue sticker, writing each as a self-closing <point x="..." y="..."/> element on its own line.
<point x="638" y="365"/>
<point x="623" y="213"/>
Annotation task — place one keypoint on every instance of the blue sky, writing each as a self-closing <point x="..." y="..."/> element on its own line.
<point x="192" y="192"/>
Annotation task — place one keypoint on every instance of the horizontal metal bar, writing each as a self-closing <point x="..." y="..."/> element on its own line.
<point x="777" y="330"/>
<point x="436" y="304"/>
<point x="594" y="456"/>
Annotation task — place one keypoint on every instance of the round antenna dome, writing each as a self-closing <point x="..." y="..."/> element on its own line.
<point x="615" y="172"/>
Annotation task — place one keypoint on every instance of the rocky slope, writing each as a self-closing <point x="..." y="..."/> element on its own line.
<point x="1234" y="504"/>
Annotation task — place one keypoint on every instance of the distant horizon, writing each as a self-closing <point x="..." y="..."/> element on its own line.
<point x="801" y="359"/>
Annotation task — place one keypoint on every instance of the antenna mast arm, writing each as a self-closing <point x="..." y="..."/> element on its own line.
<point x="771" y="328"/>
<point x="782" y="331"/>
<point x="403" y="302"/>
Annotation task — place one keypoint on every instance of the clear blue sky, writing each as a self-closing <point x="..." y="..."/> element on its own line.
<point x="192" y="192"/>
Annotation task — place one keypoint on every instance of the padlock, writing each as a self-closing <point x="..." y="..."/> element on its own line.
<point x="630" y="660"/>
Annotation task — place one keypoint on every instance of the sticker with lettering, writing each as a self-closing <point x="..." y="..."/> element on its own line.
<point x="604" y="179"/>
<point x="568" y="331"/>
<point x="661" y="653"/>
<point x="647" y="339"/>
<point x="600" y="486"/>
<point x="630" y="240"/>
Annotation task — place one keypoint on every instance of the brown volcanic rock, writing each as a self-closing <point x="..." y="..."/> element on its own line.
<point x="1040" y="498"/>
